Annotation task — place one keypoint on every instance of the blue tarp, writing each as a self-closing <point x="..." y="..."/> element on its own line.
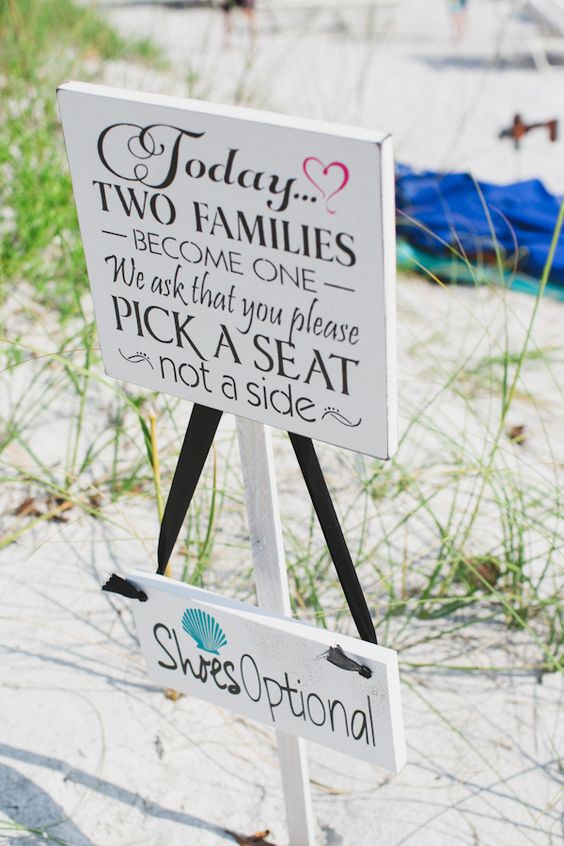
<point x="438" y="211"/>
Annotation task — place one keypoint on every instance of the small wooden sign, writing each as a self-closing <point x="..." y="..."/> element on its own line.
<point x="240" y="259"/>
<point x="271" y="669"/>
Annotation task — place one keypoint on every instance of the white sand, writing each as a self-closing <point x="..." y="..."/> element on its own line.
<point x="444" y="101"/>
<point x="91" y="748"/>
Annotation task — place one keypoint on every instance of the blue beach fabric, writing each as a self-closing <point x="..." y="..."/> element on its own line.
<point x="441" y="210"/>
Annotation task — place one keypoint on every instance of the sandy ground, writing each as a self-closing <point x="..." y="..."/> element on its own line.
<point x="94" y="753"/>
<point x="445" y="101"/>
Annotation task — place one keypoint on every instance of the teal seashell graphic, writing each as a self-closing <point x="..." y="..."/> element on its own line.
<point x="204" y="629"/>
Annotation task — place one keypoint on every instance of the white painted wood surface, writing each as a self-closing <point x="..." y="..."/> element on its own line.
<point x="257" y="461"/>
<point x="265" y="665"/>
<point x="170" y="223"/>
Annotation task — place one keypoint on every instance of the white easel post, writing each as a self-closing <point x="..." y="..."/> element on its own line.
<point x="257" y="462"/>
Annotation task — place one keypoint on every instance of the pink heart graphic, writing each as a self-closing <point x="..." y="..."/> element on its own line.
<point x="312" y="163"/>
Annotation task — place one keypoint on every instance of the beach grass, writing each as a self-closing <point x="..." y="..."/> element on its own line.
<point x="458" y="539"/>
<point x="463" y="528"/>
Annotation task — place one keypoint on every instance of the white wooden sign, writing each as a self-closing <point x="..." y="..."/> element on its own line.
<point x="271" y="669"/>
<point x="240" y="259"/>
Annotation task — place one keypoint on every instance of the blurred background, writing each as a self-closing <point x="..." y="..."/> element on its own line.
<point x="443" y="77"/>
